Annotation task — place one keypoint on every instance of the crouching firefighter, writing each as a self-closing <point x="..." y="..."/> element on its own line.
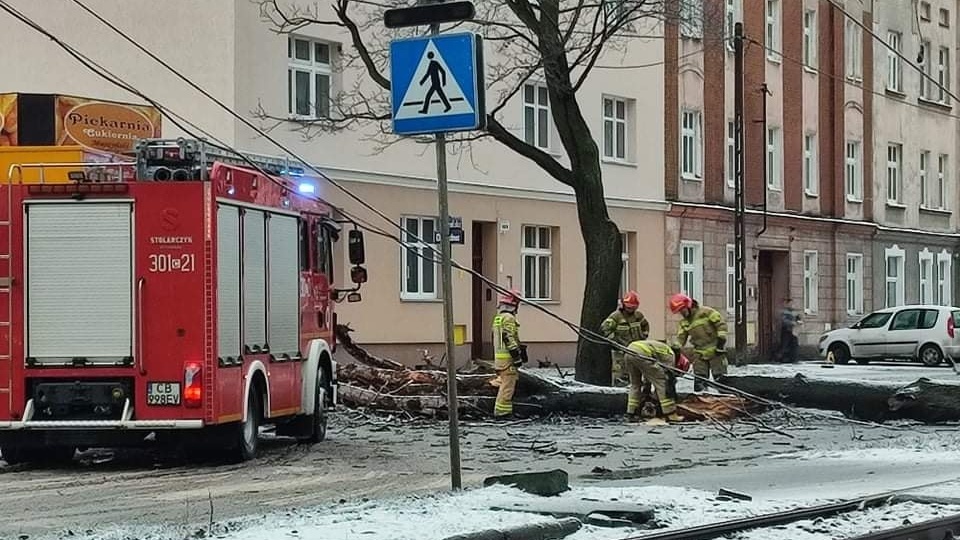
<point x="654" y="362"/>
<point x="508" y="352"/>
<point x="706" y="329"/>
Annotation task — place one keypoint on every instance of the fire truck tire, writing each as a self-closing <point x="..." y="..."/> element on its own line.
<point x="13" y="455"/>
<point x="318" y="427"/>
<point x="249" y="430"/>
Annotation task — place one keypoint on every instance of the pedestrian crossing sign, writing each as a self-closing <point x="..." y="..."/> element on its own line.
<point x="437" y="84"/>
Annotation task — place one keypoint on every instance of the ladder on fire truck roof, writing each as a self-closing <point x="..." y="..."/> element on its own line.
<point x="203" y="154"/>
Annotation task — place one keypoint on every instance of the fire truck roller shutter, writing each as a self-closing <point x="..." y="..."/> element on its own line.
<point x="79" y="274"/>
<point x="228" y="282"/>
<point x="284" y="257"/>
<point x="254" y="281"/>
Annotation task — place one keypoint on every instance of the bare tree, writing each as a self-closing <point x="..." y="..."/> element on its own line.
<point x="560" y="42"/>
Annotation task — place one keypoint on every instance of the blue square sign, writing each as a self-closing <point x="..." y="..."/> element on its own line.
<point x="437" y="84"/>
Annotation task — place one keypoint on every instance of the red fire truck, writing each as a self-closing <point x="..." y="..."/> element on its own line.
<point x="188" y="307"/>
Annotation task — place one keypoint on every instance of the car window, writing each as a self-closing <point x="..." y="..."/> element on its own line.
<point x="928" y="319"/>
<point x="906" y="320"/>
<point x="875" y="320"/>
<point x="956" y="318"/>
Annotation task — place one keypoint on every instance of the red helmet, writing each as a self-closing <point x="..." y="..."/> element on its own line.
<point x="510" y="299"/>
<point x="631" y="300"/>
<point x="680" y="302"/>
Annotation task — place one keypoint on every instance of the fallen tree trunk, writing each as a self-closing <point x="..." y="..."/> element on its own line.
<point x="551" y="530"/>
<point x="923" y="400"/>
<point x="410" y="382"/>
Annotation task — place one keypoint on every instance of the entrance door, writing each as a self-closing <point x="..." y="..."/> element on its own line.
<point x="484" y="261"/>
<point x="773" y="268"/>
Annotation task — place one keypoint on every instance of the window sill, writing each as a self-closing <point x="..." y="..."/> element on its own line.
<point x="304" y="118"/>
<point x="690" y="178"/>
<point x="811" y="194"/>
<point x="935" y="211"/>
<point x="415" y="300"/>
<point x="856" y="79"/>
<point x="896" y="205"/>
<point x="543" y="302"/>
<point x="854" y="200"/>
<point x="812" y="70"/>
<point x="775" y="189"/>
<point x="895" y="93"/>
<point x="934" y="104"/>
<point x="618" y="162"/>
<point x="774" y="59"/>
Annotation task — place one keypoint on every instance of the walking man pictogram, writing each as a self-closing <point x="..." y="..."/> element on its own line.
<point x="438" y="79"/>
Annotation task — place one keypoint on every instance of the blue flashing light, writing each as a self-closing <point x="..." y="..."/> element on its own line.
<point x="307" y="187"/>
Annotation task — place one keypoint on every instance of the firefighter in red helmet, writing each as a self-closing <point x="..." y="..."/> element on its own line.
<point x="706" y="329"/>
<point x="624" y="326"/>
<point x="508" y="352"/>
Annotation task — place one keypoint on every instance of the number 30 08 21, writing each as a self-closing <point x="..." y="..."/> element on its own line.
<point x="165" y="262"/>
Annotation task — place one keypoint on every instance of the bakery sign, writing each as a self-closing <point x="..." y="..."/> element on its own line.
<point x="101" y="125"/>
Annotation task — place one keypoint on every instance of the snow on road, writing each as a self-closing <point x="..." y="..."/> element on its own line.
<point x="435" y="517"/>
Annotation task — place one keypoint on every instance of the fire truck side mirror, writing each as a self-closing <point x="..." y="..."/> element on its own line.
<point x="358" y="275"/>
<point x="355" y="246"/>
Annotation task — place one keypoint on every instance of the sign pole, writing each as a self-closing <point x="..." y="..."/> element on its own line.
<point x="446" y="289"/>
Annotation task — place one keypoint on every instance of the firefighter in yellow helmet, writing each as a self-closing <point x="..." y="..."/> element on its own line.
<point x="653" y="362"/>
<point x="706" y="329"/>
<point x="624" y="326"/>
<point x="508" y="352"/>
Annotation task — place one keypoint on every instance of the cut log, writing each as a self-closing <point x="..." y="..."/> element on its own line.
<point x="923" y="400"/>
<point x="411" y="382"/>
<point x="551" y="530"/>
<point x="342" y="333"/>
<point x="581" y="508"/>
<point x="543" y="483"/>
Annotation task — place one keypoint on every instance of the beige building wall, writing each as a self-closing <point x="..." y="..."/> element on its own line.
<point x="226" y="47"/>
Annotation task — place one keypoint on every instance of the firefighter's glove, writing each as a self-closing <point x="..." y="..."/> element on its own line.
<point x="523" y="354"/>
<point x="721" y="345"/>
<point x="515" y="359"/>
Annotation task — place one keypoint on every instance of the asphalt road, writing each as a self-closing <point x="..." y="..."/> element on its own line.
<point x="884" y="372"/>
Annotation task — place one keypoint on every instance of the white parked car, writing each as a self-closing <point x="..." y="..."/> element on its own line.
<point x="925" y="333"/>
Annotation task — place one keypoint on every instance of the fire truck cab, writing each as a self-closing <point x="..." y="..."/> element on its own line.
<point x="187" y="307"/>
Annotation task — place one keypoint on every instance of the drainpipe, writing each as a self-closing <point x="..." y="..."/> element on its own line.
<point x="764" y="91"/>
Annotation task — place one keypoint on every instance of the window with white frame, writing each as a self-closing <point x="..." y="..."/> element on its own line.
<point x="625" y="260"/>
<point x="537" y="256"/>
<point x="691" y="18"/>
<point x="536" y="115"/>
<point x="419" y="277"/>
<point x="926" y="72"/>
<point x="734" y="9"/>
<point x="853" y="43"/>
<point x="853" y="179"/>
<point x="615" y="128"/>
<point x="939" y="192"/>
<point x="308" y="78"/>
<point x="691" y="145"/>
<point x="774" y="159"/>
<point x="894" y="63"/>
<point x="773" y="30"/>
<point x="810" y="177"/>
<point x="854" y="283"/>
<point x="924" y="11"/>
<point x="894" y="262"/>
<point x="926" y="277"/>
<point x="615" y="11"/>
<point x="943" y="75"/>
<point x="811" y="282"/>
<point x="691" y="269"/>
<point x="731" y="153"/>
<point x="944" y="20"/>
<point x="731" y="278"/>
<point x="894" y="172"/>
<point x="944" y="278"/>
<point x="924" y="178"/>
<point x="810" y="38"/>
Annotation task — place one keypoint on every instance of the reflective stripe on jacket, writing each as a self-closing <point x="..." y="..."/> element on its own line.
<point x="506" y="337"/>
<point x="625" y="328"/>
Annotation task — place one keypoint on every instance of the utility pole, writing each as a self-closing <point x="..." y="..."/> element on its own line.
<point x="739" y="229"/>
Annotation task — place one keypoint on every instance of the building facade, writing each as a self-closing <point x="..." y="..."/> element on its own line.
<point x="832" y="222"/>
<point x="520" y="225"/>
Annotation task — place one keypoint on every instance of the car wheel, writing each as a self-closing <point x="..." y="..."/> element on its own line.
<point x="931" y="356"/>
<point x="841" y="354"/>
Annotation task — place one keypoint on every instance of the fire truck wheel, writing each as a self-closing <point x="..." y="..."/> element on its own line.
<point x="318" y="431"/>
<point x="249" y="429"/>
<point x="13" y="455"/>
